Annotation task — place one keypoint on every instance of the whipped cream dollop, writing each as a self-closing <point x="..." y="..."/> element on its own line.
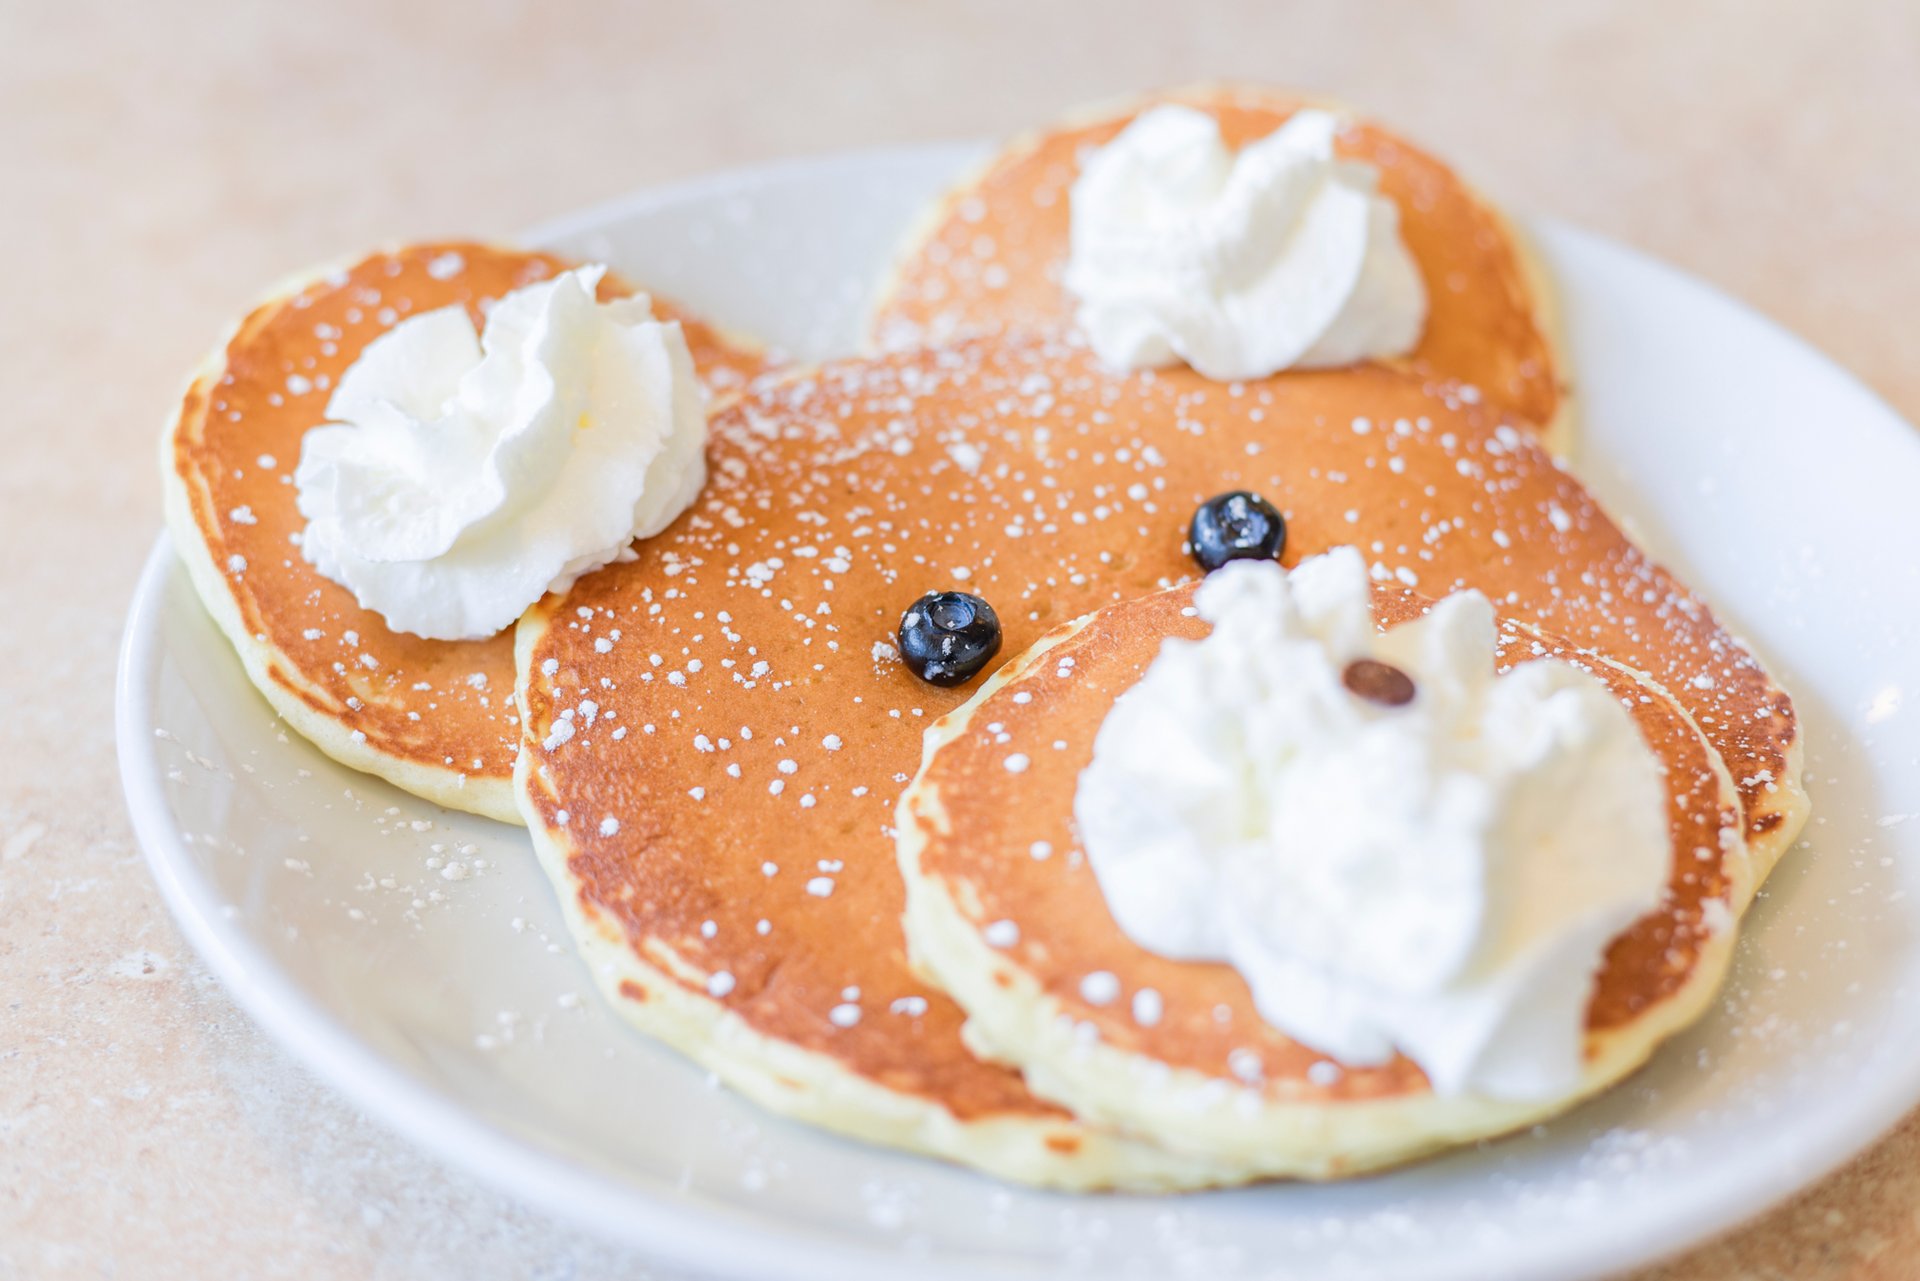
<point x="1282" y="256"/>
<point x="1439" y="876"/>
<point x="462" y="475"/>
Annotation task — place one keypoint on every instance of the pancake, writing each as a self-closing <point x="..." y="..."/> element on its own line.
<point x="433" y="717"/>
<point x="990" y="253"/>
<point x="1200" y="1071"/>
<point x="716" y="733"/>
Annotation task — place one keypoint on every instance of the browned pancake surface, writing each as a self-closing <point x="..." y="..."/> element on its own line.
<point x="737" y="730"/>
<point x="995" y="254"/>
<point x="984" y="825"/>
<point x="440" y="705"/>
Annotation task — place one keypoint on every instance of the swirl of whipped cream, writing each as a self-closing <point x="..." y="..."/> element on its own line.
<point x="463" y="475"/>
<point x="1282" y="256"/>
<point x="1440" y="878"/>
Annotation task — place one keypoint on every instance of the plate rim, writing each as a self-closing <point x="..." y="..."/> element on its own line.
<point x="701" y="1235"/>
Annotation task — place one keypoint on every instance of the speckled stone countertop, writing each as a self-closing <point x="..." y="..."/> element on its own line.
<point x="162" y="162"/>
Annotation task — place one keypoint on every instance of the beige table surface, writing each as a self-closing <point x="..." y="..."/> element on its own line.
<point x="161" y="162"/>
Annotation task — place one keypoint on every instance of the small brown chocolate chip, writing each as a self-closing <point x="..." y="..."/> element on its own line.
<point x="1378" y="682"/>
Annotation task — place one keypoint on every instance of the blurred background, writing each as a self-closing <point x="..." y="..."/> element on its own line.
<point x="162" y="163"/>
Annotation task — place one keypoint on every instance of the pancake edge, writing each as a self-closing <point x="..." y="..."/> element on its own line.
<point x="487" y="797"/>
<point x="1011" y="1019"/>
<point x="1557" y="437"/>
<point x="1061" y="1153"/>
<point x="1788" y="799"/>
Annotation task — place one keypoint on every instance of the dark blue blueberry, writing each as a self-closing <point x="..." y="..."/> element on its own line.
<point x="1235" y="526"/>
<point x="947" y="637"/>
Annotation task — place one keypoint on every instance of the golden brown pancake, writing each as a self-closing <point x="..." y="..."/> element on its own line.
<point x="1204" y="1072"/>
<point x="717" y="732"/>
<point x="434" y="717"/>
<point x="990" y="255"/>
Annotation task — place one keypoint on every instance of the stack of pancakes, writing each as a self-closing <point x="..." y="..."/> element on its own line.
<point x="715" y="745"/>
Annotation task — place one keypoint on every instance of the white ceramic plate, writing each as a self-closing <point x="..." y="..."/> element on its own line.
<point x="455" y="1009"/>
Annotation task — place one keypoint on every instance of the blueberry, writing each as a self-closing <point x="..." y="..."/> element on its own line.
<point x="1235" y="526"/>
<point x="947" y="637"/>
